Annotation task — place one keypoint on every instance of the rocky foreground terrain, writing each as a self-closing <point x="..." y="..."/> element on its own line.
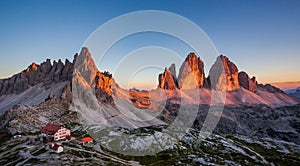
<point x="193" y="149"/>
<point x="259" y="124"/>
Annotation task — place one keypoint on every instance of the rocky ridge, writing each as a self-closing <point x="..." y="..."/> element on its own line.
<point x="246" y="82"/>
<point x="45" y="73"/>
<point x="38" y="82"/>
<point x="223" y="76"/>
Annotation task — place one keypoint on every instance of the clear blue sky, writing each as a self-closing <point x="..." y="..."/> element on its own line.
<point x="261" y="37"/>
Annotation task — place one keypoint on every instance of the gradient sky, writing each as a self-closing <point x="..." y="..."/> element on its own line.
<point x="260" y="37"/>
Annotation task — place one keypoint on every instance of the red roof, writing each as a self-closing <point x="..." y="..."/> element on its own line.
<point x="55" y="146"/>
<point x="86" y="139"/>
<point x="50" y="129"/>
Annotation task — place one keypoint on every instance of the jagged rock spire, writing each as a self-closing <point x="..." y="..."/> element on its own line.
<point x="191" y="73"/>
<point x="223" y="75"/>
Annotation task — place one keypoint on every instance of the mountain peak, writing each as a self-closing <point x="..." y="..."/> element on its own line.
<point x="33" y="67"/>
<point x="229" y="66"/>
<point x="246" y="82"/>
<point x="167" y="80"/>
<point x="224" y="74"/>
<point x="191" y="73"/>
<point x="191" y="55"/>
<point x="85" y="52"/>
<point x="172" y="69"/>
<point x="85" y="65"/>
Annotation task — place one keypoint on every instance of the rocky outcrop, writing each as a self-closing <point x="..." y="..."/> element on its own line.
<point x="224" y="75"/>
<point x="246" y="82"/>
<point x="172" y="69"/>
<point x="45" y="73"/>
<point x="87" y="76"/>
<point x="279" y="123"/>
<point x="252" y="84"/>
<point x="67" y="71"/>
<point x="66" y="95"/>
<point x="167" y="80"/>
<point x="191" y="73"/>
<point x="254" y="80"/>
<point x="270" y="88"/>
<point x="86" y="66"/>
<point x="30" y="119"/>
<point x="103" y="83"/>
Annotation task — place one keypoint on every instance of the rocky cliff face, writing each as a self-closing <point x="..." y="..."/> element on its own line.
<point x="103" y="83"/>
<point x="86" y="66"/>
<point x="87" y="76"/>
<point x="34" y="84"/>
<point x="224" y="75"/>
<point x="246" y="82"/>
<point x="254" y="80"/>
<point x="191" y="73"/>
<point x="167" y="80"/>
<point x="172" y="69"/>
<point x="38" y="81"/>
<point x="45" y="73"/>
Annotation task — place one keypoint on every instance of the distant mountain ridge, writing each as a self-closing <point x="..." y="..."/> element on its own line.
<point x="45" y="72"/>
<point x="191" y="75"/>
<point x="294" y="92"/>
<point x="223" y="76"/>
<point x="41" y="81"/>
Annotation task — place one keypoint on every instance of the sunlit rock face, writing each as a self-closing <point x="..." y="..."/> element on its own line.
<point x="191" y="73"/>
<point x="167" y="80"/>
<point x="246" y="82"/>
<point x="224" y="75"/>
<point x="103" y="83"/>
